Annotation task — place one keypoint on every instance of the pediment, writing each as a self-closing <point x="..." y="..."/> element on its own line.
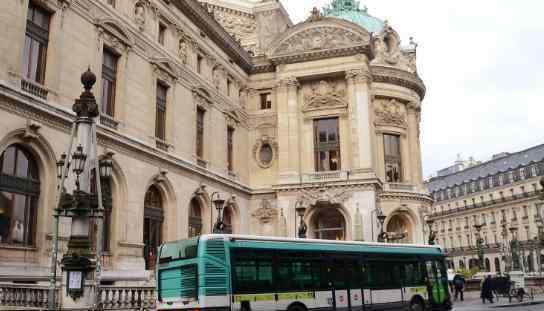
<point x="115" y="29"/>
<point x="328" y="37"/>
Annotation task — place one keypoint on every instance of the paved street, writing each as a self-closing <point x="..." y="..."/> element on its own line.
<point x="473" y="303"/>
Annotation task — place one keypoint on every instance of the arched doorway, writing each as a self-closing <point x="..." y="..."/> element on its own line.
<point x="497" y="265"/>
<point x="227" y="219"/>
<point x="400" y="225"/>
<point x="328" y="224"/>
<point x="195" y="218"/>
<point x="19" y="193"/>
<point x="153" y="220"/>
<point x="487" y="265"/>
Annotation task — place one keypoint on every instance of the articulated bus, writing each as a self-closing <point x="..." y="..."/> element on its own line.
<point x="243" y="273"/>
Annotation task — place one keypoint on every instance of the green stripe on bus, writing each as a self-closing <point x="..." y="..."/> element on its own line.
<point x="262" y="297"/>
<point x="295" y="296"/>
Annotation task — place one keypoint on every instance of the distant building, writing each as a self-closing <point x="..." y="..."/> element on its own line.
<point x="500" y="193"/>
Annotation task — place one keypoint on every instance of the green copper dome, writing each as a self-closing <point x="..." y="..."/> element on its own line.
<point x="350" y="10"/>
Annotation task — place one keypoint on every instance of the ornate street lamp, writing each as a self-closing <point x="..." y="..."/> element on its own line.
<point x="382" y="237"/>
<point x="480" y="246"/>
<point x="219" y="202"/>
<point x="106" y="165"/>
<point x="302" y="227"/>
<point x="79" y="159"/>
<point x="514" y="248"/>
<point x="432" y="233"/>
<point x="60" y="166"/>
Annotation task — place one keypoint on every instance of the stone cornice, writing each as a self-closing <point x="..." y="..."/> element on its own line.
<point x="405" y="196"/>
<point x="199" y="16"/>
<point x="399" y="77"/>
<point x="317" y="55"/>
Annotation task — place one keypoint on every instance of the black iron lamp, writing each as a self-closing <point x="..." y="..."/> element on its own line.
<point x="79" y="159"/>
<point x="381" y="218"/>
<point x="301" y="210"/>
<point x="106" y="166"/>
<point x="432" y="234"/>
<point x="219" y="203"/>
<point x="60" y="165"/>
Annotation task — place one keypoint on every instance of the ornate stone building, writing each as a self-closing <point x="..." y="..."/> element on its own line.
<point x="197" y="98"/>
<point x="498" y="195"/>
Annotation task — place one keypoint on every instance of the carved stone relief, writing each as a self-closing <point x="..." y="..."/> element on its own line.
<point x="324" y="94"/>
<point x="325" y="195"/>
<point x="390" y="113"/>
<point x="320" y="38"/>
<point x="266" y="213"/>
<point x="237" y="24"/>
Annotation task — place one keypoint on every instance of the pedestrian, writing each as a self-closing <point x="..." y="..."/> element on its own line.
<point x="459" y="284"/>
<point x="487" y="290"/>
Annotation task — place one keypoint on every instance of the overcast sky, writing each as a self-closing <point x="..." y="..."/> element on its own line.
<point x="483" y="64"/>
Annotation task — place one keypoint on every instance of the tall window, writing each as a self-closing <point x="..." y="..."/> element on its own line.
<point x="327" y="145"/>
<point x="109" y="81"/>
<point x="195" y="218"/>
<point x="227" y="219"/>
<point x="200" y="132"/>
<point x="19" y="192"/>
<point x="162" y="33"/>
<point x="392" y="158"/>
<point x="153" y="219"/>
<point x="229" y="86"/>
<point x="266" y="101"/>
<point x="160" y="124"/>
<point x="36" y="40"/>
<point x="230" y="147"/>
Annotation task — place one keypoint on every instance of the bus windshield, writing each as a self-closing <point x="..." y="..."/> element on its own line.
<point x="184" y="249"/>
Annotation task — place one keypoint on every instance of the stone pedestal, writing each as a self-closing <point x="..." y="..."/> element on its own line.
<point x="518" y="277"/>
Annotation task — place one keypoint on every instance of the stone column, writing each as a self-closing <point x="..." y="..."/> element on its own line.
<point x="288" y="129"/>
<point x="413" y="138"/>
<point x="359" y="90"/>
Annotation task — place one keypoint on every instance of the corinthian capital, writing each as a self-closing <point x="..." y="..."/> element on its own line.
<point x="359" y="75"/>
<point x="289" y="82"/>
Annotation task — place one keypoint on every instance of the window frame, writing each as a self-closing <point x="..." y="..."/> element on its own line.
<point x="160" y="110"/>
<point x="38" y="34"/>
<point x="109" y="75"/>
<point x="328" y="146"/>
<point x="392" y="159"/>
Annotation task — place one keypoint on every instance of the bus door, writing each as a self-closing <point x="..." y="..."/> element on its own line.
<point x="339" y="285"/>
<point x="354" y="278"/>
<point x="438" y="290"/>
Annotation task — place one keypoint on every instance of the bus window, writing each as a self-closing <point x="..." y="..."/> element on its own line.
<point x="252" y="273"/>
<point x="339" y="275"/>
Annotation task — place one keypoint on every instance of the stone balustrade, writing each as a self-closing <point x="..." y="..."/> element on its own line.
<point x="23" y="296"/>
<point x="34" y="88"/>
<point x="136" y="298"/>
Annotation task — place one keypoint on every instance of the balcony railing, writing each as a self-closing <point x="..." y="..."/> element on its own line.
<point x="34" y="88"/>
<point x="324" y="176"/>
<point x="140" y="298"/>
<point x="23" y="296"/>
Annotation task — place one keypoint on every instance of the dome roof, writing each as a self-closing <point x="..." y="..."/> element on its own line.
<point x="350" y="10"/>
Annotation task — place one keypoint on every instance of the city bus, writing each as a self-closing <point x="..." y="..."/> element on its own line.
<point x="234" y="272"/>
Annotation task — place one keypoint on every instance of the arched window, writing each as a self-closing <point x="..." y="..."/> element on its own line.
<point x="107" y="202"/>
<point x="497" y="265"/>
<point x="329" y="224"/>
<point x="195" y="218"/>
<point x="530" y="263"/>
<point x="227" y="219"/>
<point x="487" y="265"/>
<point x="19" y="192"/>
<point x="153" y="219"/>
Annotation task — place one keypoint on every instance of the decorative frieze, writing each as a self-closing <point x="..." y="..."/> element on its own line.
<point x="390" y="113"/>
<point x="324" y="95"/>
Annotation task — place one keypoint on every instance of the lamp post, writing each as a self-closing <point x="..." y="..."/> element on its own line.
<point x="432" y="233"/>
<point x="300" y="210"/>
<point x="219" y="202"/>
<point x="514" y="249"/>
<point x="480" y="246"/>
<point x="382" y="237"/>
<point x="80" y="205"/>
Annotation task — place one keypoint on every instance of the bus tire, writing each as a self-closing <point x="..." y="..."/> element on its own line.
<point x="417" y="305"/>
<point x="297" y="307"/>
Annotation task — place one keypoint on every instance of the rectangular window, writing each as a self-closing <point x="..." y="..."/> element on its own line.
<point x="160" y="124"/>
<point x="327" y="145"/>
<point x="229" y="86"/>
<point x="36" y="41"/>
<point x="200" y="132"/>
<point x="162" y="33"/>
<point x="230" y="158"/>
<point x="109" y="81"/>
<point x="266" y="101"/>
<point x="392" y="158"/>
<point x="199" y="64"/>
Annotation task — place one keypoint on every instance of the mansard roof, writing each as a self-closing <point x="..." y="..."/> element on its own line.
<point x="492" y="167"/>
<point x="350" y="10"/>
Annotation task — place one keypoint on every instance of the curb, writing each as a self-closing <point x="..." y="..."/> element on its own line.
<point x="521" y="304"/>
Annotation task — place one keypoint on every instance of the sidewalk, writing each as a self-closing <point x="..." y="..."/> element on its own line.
<point x="473" y="299"/>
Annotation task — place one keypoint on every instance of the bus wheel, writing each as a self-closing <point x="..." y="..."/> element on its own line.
<point x="298" y="307"/>
<point x="417" y="305"/>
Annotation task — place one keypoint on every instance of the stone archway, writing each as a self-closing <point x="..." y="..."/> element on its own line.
<point x="328" y="222"/>
<point x="400" y="225"/>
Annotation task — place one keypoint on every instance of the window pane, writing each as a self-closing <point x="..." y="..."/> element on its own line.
<point x="6" y="211"/>
<point x="26" y="57"/>
<point x="8" y="161"/>
<point x="34" y="60"/>
<point x="19" y="219"/>
<point x="22" y="164"/>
